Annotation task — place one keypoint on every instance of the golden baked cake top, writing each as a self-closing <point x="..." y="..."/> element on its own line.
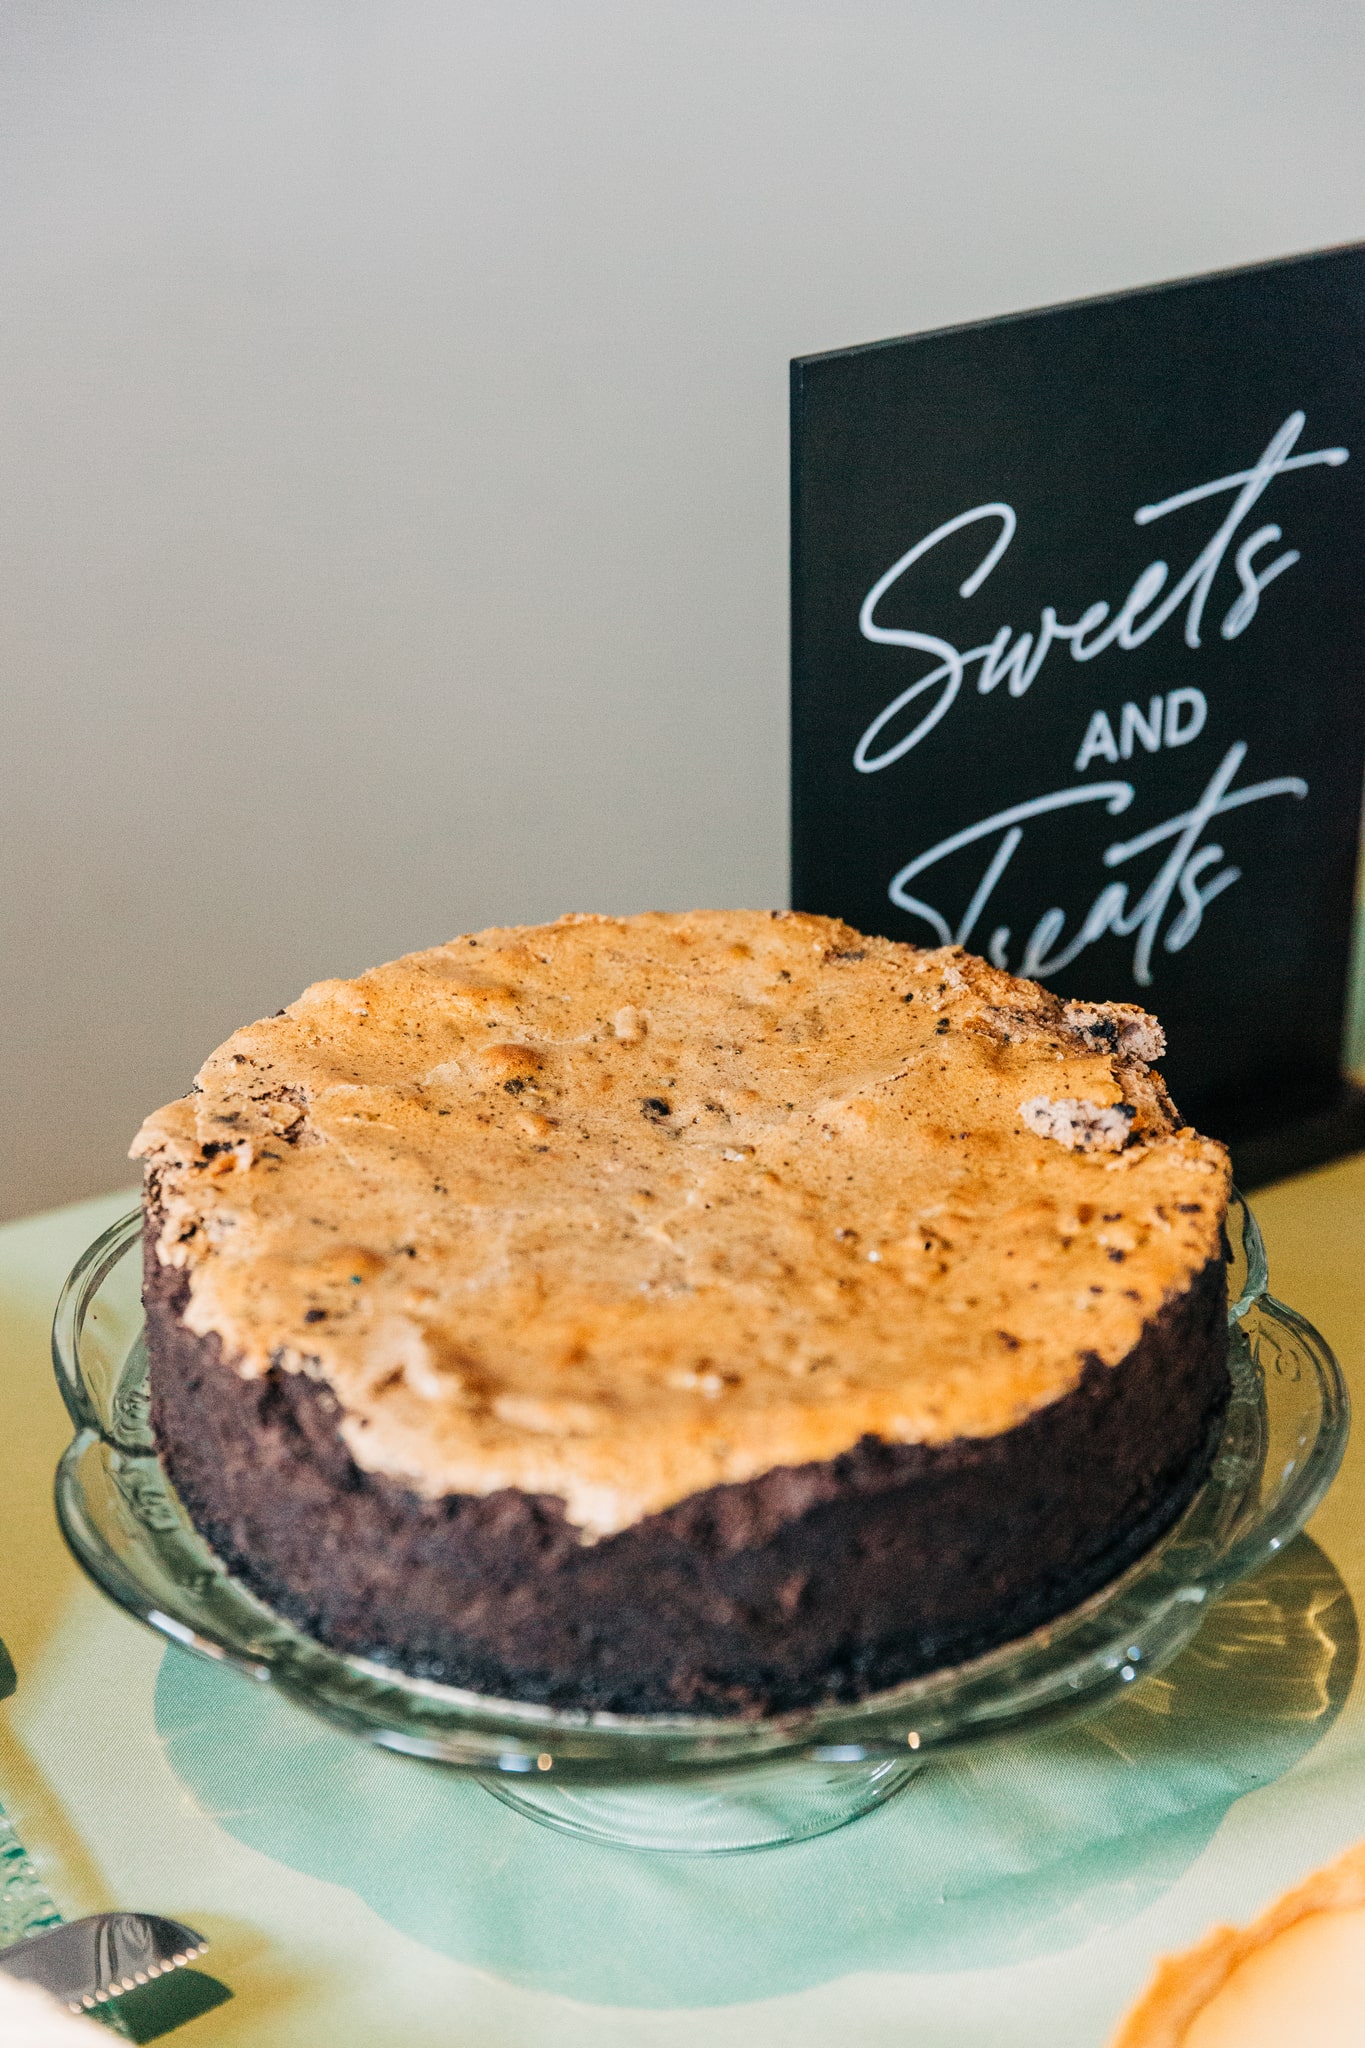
<point x="619" y="1209"/>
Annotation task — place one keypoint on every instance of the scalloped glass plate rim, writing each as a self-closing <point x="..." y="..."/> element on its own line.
<point x="1075" y="1660"/>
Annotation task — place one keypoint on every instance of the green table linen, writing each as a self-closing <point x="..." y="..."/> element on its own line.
<point x="355" y="1898"/>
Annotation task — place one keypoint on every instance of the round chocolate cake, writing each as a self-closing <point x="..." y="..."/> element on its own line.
<point x="708" y="1313"/>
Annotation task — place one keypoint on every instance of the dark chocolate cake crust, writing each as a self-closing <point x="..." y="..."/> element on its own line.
<point x="812" y="1583"/>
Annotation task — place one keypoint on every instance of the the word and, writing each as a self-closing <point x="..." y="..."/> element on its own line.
<point x="1170" y="721"/>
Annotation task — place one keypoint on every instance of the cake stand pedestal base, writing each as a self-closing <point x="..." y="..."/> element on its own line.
<point x="713" y="1815"/>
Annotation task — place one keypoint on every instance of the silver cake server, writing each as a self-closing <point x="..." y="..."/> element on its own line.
<point x="81" y="1963"/>
<point x="85" y="1963"/>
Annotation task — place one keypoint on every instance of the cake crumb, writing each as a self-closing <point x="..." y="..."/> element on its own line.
<point x="1118" y="1027"/>
<point x="1081" y="1126"/>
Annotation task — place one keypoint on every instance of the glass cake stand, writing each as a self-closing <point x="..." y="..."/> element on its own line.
<point x="692" y="1783"/>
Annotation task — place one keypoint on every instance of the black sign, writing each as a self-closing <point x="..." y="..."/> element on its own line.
<point x="1078" y="608"/>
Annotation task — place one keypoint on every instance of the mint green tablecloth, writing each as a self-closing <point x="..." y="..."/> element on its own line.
<point x="355" y="1898"/>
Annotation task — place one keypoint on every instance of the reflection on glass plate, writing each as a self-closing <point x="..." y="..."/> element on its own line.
<point x="679" y="1782"/>
<point x="1000" y="1853"/>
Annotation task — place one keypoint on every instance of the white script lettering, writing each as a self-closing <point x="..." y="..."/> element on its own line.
<point x="1016" y="661"/>
<point x="1185" y="870"/>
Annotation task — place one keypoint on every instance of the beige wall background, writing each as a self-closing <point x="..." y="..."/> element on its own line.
<point x="393" y="483"/>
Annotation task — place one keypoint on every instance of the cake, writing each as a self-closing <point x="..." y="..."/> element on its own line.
<point x="1297" y="1973"/>
<point x="716" y="1313"/>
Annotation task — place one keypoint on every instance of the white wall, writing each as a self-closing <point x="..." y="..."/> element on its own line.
<point x="394" y="479"/>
